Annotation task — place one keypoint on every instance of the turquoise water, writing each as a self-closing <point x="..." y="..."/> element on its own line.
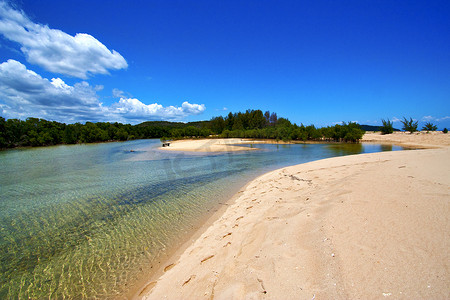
<point x="86" y="221"/>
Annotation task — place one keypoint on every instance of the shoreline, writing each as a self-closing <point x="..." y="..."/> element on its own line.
<point x="139" y="291"/>
<point x="420" y="139"/>
<point x="175" y="255"/>
<point x="180" y="262"/>
<point x="417" y="140"/>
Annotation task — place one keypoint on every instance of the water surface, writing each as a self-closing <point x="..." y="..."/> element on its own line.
<point x="85" y="221"/>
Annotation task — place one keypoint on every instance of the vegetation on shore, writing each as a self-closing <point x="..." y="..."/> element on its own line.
<point x="387" y="127"/>
<point x="409" y="125"/>
<point x="255" y="124"/>
<point x="250" y="124"/>
<point x="429" y="127"/>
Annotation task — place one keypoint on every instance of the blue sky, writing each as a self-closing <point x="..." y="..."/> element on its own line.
<point x="313" y="62"/>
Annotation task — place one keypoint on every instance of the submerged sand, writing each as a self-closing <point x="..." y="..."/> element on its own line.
<point x="366" y="226"/>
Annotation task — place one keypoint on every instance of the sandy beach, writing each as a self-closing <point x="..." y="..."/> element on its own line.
<point x="369" y="226"/>
<point x="214" y="145"/>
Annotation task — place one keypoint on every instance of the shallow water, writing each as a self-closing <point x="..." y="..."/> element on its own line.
<point x="86" y="221"/>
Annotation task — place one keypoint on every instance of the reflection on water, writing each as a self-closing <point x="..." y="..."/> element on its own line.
<point x="386" y="147"/>
<point x="86" y="221"/>
<point x="345" y="149"/>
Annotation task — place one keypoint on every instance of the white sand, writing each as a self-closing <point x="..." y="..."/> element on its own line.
<point x="419" y="139"/>
<point x="368" y="226"/>
<point x="209" y="145"/>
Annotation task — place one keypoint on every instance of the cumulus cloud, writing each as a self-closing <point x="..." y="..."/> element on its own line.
<point x="56" y="51"/>
<point x="25" y="93"/>
<point x="133" y="109"/>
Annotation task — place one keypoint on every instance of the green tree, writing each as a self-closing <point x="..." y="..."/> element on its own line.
<point x="429" y="127"/>
<point x="3" y="143"/>
<point x="256" y="119"/>
<point x="217" y="125"/>
<point x="387" y="127"/>
<point x="229" y="121"/>
<point x="121" y="135"/>
<point x="70" y="135"/>
<point x="91" y="133"/>
<point x="238" y="124"/>
<point x="409" y="125"/>
<point x="273" y="119"/>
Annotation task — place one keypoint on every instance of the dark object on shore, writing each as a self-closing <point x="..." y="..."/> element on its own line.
<point x="131" y="150"/>
<point x="445" y="130"/>
<point x="167" y="144"/>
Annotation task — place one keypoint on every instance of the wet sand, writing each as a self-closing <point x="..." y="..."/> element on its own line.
<point x="365" y="226"/>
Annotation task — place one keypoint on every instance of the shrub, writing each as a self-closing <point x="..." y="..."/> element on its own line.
<point x="445" y="130"/>
<point x="429" y="127"/>
<point x="387" y="127"/>
<point x="409" y="125"/>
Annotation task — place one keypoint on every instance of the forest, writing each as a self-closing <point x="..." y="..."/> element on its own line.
<point x="249" y="124"/>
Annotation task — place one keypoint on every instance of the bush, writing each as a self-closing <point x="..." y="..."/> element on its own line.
<point x="387" y="127"/>
<point x="409" y="125"/>
<point x="429" y="127"/>
<point x="445" y="130"/>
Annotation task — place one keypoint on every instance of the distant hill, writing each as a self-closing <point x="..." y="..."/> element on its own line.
<point x="373" y="128"/>
<point x="167" y="124"/>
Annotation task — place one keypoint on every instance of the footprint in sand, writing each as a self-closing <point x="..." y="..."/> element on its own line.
<point x="189" y="279"/>
<point x="168" y="267"/>
<point x="147" y="288"/>
<point x="229" y="233"/>
<point x="206" y="258"/>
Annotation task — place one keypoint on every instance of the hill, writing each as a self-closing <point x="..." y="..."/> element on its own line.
<point x="373" y="128"/>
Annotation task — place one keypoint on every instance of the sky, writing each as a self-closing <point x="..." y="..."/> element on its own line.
<point x="312" y="62"/>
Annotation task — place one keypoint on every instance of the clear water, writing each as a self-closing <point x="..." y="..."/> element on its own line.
<point x="86" y="221"/>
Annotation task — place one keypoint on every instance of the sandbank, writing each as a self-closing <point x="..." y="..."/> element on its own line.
<point x="420" y="139"/>
<point x="366" y="226"/>
<point x="214" y="145"/>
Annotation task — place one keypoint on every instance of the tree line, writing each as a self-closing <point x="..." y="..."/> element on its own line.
<point x="256" y="124"/>
<point x="40" y="132"/>
<point x="249" y="124"/>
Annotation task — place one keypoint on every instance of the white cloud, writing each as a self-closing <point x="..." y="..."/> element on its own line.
<point x="431" y="118"/>
<point x="443" y="118"/>
<point x="136" y="110"/>
<point x="25" y="93"/>
<point x="56" y="51"/>
<point x="191" y="109"/>
<point x="222" y="109"/>
<point x="118" y="93"/>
